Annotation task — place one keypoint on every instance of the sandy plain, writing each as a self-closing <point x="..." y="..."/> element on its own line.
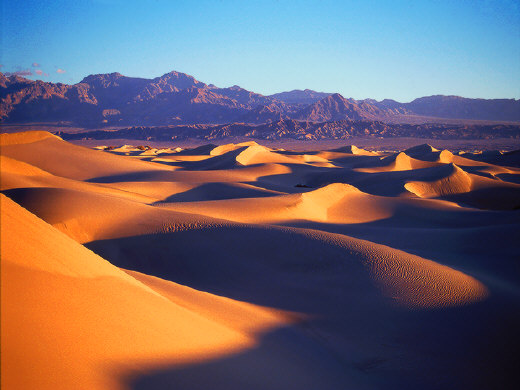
<point x="244" y="266"/>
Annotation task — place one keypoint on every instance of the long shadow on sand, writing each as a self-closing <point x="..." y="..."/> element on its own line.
<point x="444" y="351"/>
<point x="375" y="343"/>
<point x="284" y="359"/>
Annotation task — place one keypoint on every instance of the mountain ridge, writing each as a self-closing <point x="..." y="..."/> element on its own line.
<point x="178" y="98"/>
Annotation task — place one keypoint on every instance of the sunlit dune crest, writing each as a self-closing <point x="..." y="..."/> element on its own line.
<point x="246" y="266"/>
<point x="454" y="181"/>
<point x="25" y="137"/>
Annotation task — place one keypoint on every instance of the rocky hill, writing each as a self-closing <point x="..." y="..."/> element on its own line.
<point x="23" y="100"/>
<point x="335" y="107"/>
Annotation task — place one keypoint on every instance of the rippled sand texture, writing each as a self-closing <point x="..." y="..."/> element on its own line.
<point x="240" y="266"/>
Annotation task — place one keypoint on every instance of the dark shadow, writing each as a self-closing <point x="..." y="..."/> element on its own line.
<point x="423" y="152"/>
<point x="507" y="159"/>
<point x="351" y="324"/>
<point x="153" y="175"/>
<point x="479" y="170"/>
<point x="499" y="197"/>
<point x="448" y="350"/>
<point x="356" y="161"/>
<point x="163" y="162"/>
<point x="240" y="261"/>
<point x="197" y="151"/>
<point x="509" y="177"/>
<point x="217" y="191"/>
<point x="354" y="337"/>
<point x="285" y="359"/>
<point x="472" y="246"/>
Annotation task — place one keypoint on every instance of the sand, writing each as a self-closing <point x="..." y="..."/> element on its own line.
<point x="246" y="266"/>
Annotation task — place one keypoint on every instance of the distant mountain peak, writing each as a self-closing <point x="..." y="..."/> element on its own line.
<point x="178" y="75"/>
<point x="335" y="97"/>
<point x="102" y="76"/>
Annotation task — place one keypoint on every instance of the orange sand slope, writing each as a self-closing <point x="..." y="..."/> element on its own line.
<point x="241" y="266"/>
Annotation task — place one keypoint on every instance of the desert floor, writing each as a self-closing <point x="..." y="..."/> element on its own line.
<point x="242" y="266"/>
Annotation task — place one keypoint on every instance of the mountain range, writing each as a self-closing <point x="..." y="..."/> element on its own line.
<point x="177" y="98"/>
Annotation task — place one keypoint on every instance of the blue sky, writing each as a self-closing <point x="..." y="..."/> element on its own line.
<point x="361" y="49"/>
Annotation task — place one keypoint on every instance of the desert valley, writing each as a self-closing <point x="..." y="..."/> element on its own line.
<point x="244" y="266"/>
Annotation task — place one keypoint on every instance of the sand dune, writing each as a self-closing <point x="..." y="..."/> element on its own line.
<point x="352" y="149"/>
<point x="221" y="149"/>
<point x="319" y="205"/>
<point x="455" y="181"/>
<point x="241" y="266"/>
<point x="17" y="174"/>
<point x="49" y="153"/>
<point x="398" y="162"/>
<point x="58" y="333"/>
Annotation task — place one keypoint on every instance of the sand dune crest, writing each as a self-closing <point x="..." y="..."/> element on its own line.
<point x="25" y="137"/>
<point x="455" y="181"/>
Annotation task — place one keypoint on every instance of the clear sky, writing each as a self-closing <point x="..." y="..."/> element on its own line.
<point x="361" y="49"/>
